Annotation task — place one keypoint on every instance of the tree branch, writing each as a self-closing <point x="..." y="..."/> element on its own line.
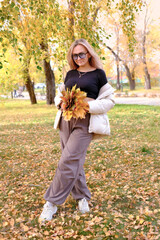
<point x="96" y="13"/>
<point x="115" y="54"/>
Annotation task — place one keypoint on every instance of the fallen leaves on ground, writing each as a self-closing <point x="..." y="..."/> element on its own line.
<point x="122" y="172"/>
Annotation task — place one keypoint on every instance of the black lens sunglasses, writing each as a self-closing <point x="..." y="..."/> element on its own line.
<point x="80" y="55"/>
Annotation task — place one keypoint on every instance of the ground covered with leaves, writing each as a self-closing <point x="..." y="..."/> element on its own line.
<point x="122" y="172"/>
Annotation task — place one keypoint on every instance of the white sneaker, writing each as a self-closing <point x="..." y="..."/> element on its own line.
<point x="83" y="205"/>
<point x="48" y="211"/>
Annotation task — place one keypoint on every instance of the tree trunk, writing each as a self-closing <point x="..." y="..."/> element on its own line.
<point x="147" y="78"/>
<point x="118" y="76"/>
<point x="146" y="72"/>
<point x="50" y="82"/>
<point x="50" y="78"/>
<point x="130" y="78"/>
<point x="71" y="7"/>
<point x="28" y="82"/>
<point x="96" y="13"/>
<point x="133" y="79"/>
<point x="29" y="87"/>
<point x="117" y="59"/>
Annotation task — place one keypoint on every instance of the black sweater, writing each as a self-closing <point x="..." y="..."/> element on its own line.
<point x="89" y="82"/>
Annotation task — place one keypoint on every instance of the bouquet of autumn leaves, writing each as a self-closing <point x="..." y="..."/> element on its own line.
<point x="73" y="104"/>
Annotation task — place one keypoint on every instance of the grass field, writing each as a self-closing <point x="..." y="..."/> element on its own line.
<point x="122" y="172"/>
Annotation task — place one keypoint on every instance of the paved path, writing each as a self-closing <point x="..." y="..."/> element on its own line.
<point x="118" y="100"/>
<point x="138" y="100"/>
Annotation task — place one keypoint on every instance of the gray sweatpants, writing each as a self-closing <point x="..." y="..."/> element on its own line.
<point x="70" y="176"/>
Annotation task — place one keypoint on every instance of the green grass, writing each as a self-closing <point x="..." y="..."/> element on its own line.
<point x="122" y="172"/>
<point x="140" y="89"/>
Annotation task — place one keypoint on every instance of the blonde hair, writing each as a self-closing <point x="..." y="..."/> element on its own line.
<point x="94" y="60"/>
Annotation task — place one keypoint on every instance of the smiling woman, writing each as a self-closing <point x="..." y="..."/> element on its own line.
<point x="81" y="58"/>
<point x="76" y="134"/>
<point x="86" y="52"/>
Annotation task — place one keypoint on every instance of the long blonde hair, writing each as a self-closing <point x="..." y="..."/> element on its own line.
<point x="94" y="60"/>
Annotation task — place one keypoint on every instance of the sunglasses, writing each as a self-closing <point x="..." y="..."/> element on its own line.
<point x="80" y="55"/>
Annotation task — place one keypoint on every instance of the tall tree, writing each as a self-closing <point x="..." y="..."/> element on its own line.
<point x="27" y="78"/>
<point x="36" y="24"/>
<point x="130" y="73"/>
<point x="81" y="18"/>
<point x="144" y="58"/>
<point x="48" y="22"/>
<point x="117" y="58"/>
<point x="50" y="77"/>
<point x="117" y="13"/>
<point x="15" y="28"/>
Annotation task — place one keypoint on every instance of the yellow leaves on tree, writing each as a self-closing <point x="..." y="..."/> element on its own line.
<point x="73" y="104"/>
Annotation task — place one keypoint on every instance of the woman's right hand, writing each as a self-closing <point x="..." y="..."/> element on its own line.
<point x="59" y="105"/>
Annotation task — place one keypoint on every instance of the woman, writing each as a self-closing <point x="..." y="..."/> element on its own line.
<point x="75" y="135"/>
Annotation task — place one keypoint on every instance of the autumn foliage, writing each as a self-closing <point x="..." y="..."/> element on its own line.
<point x="73" y="103"/>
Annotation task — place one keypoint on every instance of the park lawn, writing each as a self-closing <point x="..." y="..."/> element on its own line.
<point x="153" y="90"/>
<point x="122" y="172"/>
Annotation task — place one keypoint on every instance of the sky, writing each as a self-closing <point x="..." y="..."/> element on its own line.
<point x="153" y="14"/>
<point x="155" y="9"/>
